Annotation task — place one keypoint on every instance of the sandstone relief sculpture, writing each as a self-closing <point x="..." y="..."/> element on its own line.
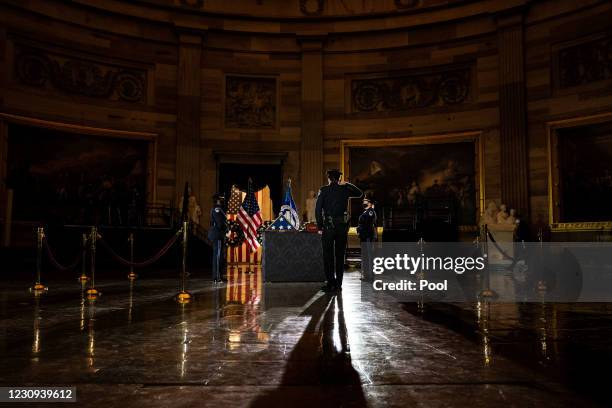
<point x="250" y="102"/>
<point x="410" y="91"/>
<point x="37" y="68"/>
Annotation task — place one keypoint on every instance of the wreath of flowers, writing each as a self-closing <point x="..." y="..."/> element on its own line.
<point x="236" y="235"/>
<point x="264" y="226"/>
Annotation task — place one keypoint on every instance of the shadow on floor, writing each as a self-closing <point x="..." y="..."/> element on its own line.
<point x="319" y="370"/>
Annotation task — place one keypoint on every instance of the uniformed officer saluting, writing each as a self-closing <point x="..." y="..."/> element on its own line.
<point x="367" y="235"/>
<point x="332" y="218"/>
<point x="216" y="234"/>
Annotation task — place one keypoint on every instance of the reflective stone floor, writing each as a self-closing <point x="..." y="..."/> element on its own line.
<point x="245" y="344"/>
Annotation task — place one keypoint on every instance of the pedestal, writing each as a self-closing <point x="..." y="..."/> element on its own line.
<point x="292" y="257"/>
<point x="504" y="238"/>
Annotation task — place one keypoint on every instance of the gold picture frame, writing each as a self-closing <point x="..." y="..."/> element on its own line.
<point x="150" y="138"/>
<point x="554" y="175"/>
<point x="473" y="136"/>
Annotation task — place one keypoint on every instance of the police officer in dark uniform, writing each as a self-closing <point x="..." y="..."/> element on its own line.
<point x="216" y="234"/>
<point x="332" y="218"/>
<point x="366" y="229"/>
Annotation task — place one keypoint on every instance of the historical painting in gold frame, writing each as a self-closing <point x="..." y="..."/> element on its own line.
<point x="580" y="173"/>
<point x="147" y="157"/>
<point x="447" y="150"/>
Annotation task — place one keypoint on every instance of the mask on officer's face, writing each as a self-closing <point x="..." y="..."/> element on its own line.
<point x="365" y="205"/>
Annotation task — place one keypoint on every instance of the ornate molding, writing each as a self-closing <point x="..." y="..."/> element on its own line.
<point x="38" y="68"/>
<point x="306" y="7"/>
<point x="192" y="3"/>
<point x="583" y="63"/>
<point x="399" y="93"/>
<point x="250" y="102"/>
<point x="406" y="4"/>
<point x="581" y="226"/>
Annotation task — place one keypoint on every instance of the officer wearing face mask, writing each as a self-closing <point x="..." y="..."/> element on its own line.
<point x="366" y="229"/>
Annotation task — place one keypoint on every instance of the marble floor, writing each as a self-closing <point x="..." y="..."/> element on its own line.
<point x="246" y="344"/>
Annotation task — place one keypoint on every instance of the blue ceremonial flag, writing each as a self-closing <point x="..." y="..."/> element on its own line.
<point x="289" y="210"/>
<point x="281" y="224"/>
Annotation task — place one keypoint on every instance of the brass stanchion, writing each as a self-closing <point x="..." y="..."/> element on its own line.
<point x="92" y="292"/>
<point x="486" y="292"/>
<point x="421" y="276"/>
<point x="39" y="288"/>
<point x="477" y="243"/>
<point x="83" y="278"/>
<point x="183" y="296"/>
<point x="131" y="301"/>
<point x="132" y="275"/>
<point x="541" y="285"/>
<point x="483" y="313"/>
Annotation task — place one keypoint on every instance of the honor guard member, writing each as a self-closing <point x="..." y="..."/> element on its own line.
<point x="366" y="229"/>
<point x="333" y="220"/>
<point x="216" y="234"/>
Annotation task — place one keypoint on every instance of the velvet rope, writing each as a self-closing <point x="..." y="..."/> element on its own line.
<point x="54" y="261"/>
<point x="144" y="263"/>
<point x="499" y="249"/>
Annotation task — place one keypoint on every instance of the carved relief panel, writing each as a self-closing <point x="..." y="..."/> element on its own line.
<point x="250" y="102"/>
<point x="44" y="69"/>
<point x="403" y="92"/>
<point x="582" y="62"/>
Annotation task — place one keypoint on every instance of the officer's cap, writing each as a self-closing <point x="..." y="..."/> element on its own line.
<point x="334" y="173"/>
<point x="218" y="196"/>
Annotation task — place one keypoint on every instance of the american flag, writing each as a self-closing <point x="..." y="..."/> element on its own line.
<point x="234" y="203"/>
<point x="249" y="217"/>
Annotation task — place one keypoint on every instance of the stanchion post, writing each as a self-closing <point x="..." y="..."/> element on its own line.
<point x="132" y="275"/>
<point x="477" y="243"/>
<point x="39" y="288"/>
<point x="83" y="278"/>
<point x="541" y="285"/>
<point x="486" y="292"/>
<point x="183" y="296"/>
<point x="421" y="275"/>
<point x="92" y="292"/>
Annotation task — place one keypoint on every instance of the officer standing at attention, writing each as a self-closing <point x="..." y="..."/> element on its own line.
<point x="333" y="220"/>
<point x="216" y="234"/>
<point x="367" y="235"/>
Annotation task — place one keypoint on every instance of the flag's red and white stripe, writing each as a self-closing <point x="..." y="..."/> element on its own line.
<point x="249" y="226"/>
<point x="243" y="254"/>
<point x="242" y="286"/>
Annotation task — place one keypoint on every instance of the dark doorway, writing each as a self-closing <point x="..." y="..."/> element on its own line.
<point x="261" y="174"/>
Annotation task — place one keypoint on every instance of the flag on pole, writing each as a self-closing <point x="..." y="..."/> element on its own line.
<point x="233" y="205"/>
<point x="249" y="217"/>
<point x="288" y="208"/>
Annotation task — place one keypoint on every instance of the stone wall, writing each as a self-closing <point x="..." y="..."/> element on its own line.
<point x="209" y="82"/>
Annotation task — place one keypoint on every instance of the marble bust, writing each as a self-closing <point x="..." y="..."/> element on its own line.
<point x="502" y="214"/>
<point x="311" y="203"/>
<point x="490" y="214"/>
<point x="512" y="217"/>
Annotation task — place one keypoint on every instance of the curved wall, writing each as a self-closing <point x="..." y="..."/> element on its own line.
<point x="182" y="67"/>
